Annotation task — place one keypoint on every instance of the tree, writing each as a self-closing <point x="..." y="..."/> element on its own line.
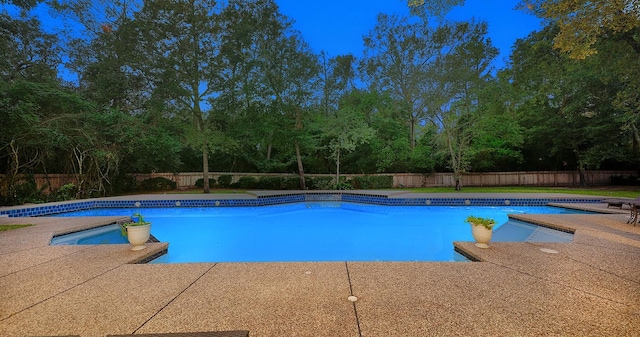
<point x="582" y="23"/>
<point x="26" y="51"/>
<point x="396" y="56"/>
<point x="566" y="108"/>
<point x="497" y="135"/>
<point x="344" y="131"/>
<point x="455" y="81"/>
<point x="290" y="69"/>
<point x="180" y="42"/>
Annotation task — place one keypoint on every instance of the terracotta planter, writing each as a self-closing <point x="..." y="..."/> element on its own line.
<point x="138" y="236"/>
<point x="482" y="235"/>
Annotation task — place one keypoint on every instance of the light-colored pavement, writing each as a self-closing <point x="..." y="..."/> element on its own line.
<point x="590" y="287"/>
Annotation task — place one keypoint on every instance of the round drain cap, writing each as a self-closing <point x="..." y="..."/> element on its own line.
<point x="352" y="298"/>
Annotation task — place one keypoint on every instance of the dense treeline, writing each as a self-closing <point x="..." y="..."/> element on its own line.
<point x="172" y="85"/>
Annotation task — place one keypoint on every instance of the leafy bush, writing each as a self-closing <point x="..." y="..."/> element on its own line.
<point x="622" y="180"/>
<point x="372" y="182"/>
<point x="122" y="183"/>
<point x="329" y="183"/>
<point x="344" y="185"/>
<point x="24" y="191"/>
<point x="200" y="182"/>
<point x="320" y="183"/>
<point x="66" y="192"/>
<point x="247" y="183"/>
<point x="224" y="181"/>
<point x="270" y="183"/>
<point x="291" y="183"/>
<point x="157" y="184"/>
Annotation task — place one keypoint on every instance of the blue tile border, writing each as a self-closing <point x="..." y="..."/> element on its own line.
<point x="374" y="199"/>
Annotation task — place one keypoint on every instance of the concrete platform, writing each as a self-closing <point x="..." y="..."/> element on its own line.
<point x="589" y="287"/>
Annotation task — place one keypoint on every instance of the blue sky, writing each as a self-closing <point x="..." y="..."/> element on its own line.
<point x="337" y="26"/>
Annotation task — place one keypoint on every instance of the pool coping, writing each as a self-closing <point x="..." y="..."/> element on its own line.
<point x="267" y="198"/>
<point x="589" y="288"/>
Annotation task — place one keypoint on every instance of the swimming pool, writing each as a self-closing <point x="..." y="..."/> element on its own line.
<point x="314" y="231"/>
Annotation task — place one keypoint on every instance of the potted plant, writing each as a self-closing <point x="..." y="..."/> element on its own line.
<point x="481" y="228"/>
<point x="137" y="232"/>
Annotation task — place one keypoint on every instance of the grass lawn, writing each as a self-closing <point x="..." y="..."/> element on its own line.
<point x="8" y="227"/>
<point x="606" y="191"/>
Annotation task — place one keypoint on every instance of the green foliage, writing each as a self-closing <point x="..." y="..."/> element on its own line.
<point x="583" y="23"/>
<point x="200" y="182"/>
<point x="122" y="183"/>
<point x="279" y="183"/>
<point x="157" y="184"/>
<point x="270" y="183"/>
<point x="224" y="181"/>
<point x="133" y="222"/>
<point x="165" y="86"/>
<point x="344" y="185"/>
<point x="247" y="183"/>
<point x="372" y="182"/>
<point x="320" y="183"/>
<point x="291" y="183"/>
<point x="487" y="223"/>
<point x="23" y="190"/>
<point x="66" y="192"/>
<point x="624" y="180"/>
<point x="567" y="110"/>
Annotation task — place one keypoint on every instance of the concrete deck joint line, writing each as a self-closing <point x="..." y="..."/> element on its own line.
<point x="546" y="279"/>
<point x="174" y="298"/>
<point x="602" y="270"/>
<point x="60" y="292"/>
<point x="355" y="309"/>
<point x="35" y="266"/>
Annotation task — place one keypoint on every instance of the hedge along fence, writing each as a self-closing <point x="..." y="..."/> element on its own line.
<point x="187" y="180"/>
<point x="359" y="181"/>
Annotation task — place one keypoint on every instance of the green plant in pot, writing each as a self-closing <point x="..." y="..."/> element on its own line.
<point x="481" y="228"/>
<point x="137" y="232"/>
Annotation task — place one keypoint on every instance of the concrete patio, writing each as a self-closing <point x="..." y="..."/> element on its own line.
<point x="590" y="287"/>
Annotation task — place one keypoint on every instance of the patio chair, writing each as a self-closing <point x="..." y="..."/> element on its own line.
<point x="616" y="202"/>
<point x="635" y="207"/>
<point x="634" y="204"/>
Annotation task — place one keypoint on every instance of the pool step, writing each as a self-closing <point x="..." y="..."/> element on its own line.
<point x="518" y="231"/>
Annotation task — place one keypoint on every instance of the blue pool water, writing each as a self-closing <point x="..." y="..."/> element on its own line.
<point x="323" y="231"/>
<point x="102" y="235"/>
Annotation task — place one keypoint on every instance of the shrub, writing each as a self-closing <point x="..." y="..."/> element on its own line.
<point x="320" y="183"/>
<point x="372" y="182"/>
<point x="66" y="192"/>
<point x="200" y="182"/>
<point x="270" y="183"/>
<point x="344" y="185"/>
<point x="247" y="183"/>
<point x="224" y="181"/>
<point x="622" y="180"/>
<point x="157" y="184"/>
<point x="291" y="183"/>
<point x="25" y="191"/>
<point x="122" y="183"/>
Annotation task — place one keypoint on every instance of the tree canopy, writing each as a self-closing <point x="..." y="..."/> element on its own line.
<point x="196" y="85"/>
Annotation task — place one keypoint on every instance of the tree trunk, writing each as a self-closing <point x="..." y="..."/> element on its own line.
<point x="300" y="167"/>
<point x="205" y="167"/>
<point x="412" y="133"/>
<point x="583" y="180"/>
<point x="338" y="169"/>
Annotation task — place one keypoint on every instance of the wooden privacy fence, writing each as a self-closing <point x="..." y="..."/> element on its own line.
<point x="187" y="180"/>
